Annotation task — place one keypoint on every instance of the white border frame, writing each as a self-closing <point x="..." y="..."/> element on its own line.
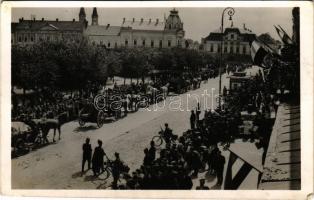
<point x="306" y="46"/>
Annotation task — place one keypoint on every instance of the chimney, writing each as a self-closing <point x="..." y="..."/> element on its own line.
<point x="42" y="19"/>
<point x="73" y="20"/>
<point x="123" y="20"/>
<point x="133" y="20"/>
<point x="57" y="19"/>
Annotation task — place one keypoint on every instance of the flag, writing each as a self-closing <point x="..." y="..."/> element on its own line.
<point x="258" y="52"/>
<point x="283" y="35"/>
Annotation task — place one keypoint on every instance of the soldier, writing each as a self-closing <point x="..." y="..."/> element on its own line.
<point x="117" y="166"/>
<point x="152" y="151"/>
<point x="98" y="159"/>
<point x="219" y="165"/>
<point x="87" y="154"/>
<point x="192" y="120"/>
<point x="202" y="185"/>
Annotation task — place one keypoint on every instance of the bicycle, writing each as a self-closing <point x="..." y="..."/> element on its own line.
<point x="159" y="139"/>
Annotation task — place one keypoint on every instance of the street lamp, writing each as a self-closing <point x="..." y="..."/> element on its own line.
<point x="230" y="11"/>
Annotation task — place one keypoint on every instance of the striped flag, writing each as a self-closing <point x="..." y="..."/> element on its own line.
<point x="258" y="53"/>
<point x="283" y="35"/>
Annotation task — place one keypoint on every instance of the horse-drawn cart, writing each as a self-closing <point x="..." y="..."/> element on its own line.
<point x="23" y="137"/>
<point x="90" y="114"/>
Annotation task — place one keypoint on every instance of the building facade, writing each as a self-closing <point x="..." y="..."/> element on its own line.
<point x="138" y="33"/>
<point x="235" y="41"/>
<point x="31" y="31"/>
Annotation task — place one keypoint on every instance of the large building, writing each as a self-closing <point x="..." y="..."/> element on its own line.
<point x="32" y="31"/>
<point x="138" y="33"/>
<point x="235" y="41"/>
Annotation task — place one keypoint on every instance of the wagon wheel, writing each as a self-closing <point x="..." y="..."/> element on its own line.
<point x="81" y="122"/>
<point x="100" y="119"/>
<point x="157" y="140"/>
<point x="19" y="144"/>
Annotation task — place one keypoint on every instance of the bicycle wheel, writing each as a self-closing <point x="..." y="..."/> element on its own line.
<point x="157" y="140"/>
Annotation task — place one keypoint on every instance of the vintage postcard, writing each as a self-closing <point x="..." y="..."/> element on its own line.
<point x="157" y="99"/>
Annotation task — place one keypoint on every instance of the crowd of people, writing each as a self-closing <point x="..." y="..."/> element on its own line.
<point x="199" y="148"/>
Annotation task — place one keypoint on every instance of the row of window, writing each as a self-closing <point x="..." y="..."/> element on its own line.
<point x="237" y="49"/>
<point x="41" y="38"/>
<point x="152" y="43"/>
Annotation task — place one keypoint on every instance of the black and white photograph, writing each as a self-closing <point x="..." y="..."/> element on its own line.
<point x="155" y="98"/>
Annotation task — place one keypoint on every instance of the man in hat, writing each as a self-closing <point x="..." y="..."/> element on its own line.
<point x="202" y="185"/>
<point x="117" y="166"/>
<point x="152" y="151"/>
<point x="192" y="119"/>
<point x="87" y="154"/>
<point x="98" y="159"/>
<point x="219" y="165"/>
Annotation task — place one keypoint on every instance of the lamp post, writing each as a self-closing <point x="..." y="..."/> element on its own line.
<point x="230" y="11"/>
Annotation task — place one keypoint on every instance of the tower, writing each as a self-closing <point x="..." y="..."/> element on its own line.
<point x="173" y="21"/>
<point x="95" y="17"/>
<point x="82" y="15"/>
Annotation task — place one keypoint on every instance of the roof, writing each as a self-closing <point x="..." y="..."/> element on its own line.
<point x="103" y="30"/>
<point x="216" y="34"/>
<point x="283" y="159"/>
<point x="58" y="25"/>
<point x="145" y="25"/>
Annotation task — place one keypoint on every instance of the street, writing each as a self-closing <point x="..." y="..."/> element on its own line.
<point x="58" y="165"/>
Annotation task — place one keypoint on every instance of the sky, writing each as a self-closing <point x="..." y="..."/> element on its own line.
<point x="198" y="22"/>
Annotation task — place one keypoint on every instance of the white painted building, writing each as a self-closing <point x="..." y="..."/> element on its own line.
<point x="235" y="41"/>
<point x="138" y="33"/>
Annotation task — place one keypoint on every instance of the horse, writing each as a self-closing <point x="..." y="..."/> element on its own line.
<point x="46" y="124"/>
<point x="165" y="91"/>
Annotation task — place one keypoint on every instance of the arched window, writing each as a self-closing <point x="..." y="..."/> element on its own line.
<point x="152" y="43"/>
<point x="135" y="42"/>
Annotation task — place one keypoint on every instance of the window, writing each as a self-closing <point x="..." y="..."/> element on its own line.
<point x="126" y="42"/>
<point x="20" y="39"/>
<point x="169" y="26"/>
<point x="135" y="42"/>
<point x="244" y="49"/>
<point x="211" y="47"/>
<point x="218" y="48"/>
<point x="160" y="43"/>
<point x="231" y="36"/>
<point x="225" y="49"/>
<point x="143" y="43"/>
<point x="231" y="49"/>
<point x="152" y="43"/>
<point x="115" y="45"/>
<point x="108" y="44"/>
<point x="48" y="38"/>
<point x="25" y="39"/>
<point x="169" y="43"/>
<point x="237" y="49"/>
<point x="32" y="39"/>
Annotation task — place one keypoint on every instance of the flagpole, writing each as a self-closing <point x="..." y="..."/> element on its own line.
<point x="230" y="13"/>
